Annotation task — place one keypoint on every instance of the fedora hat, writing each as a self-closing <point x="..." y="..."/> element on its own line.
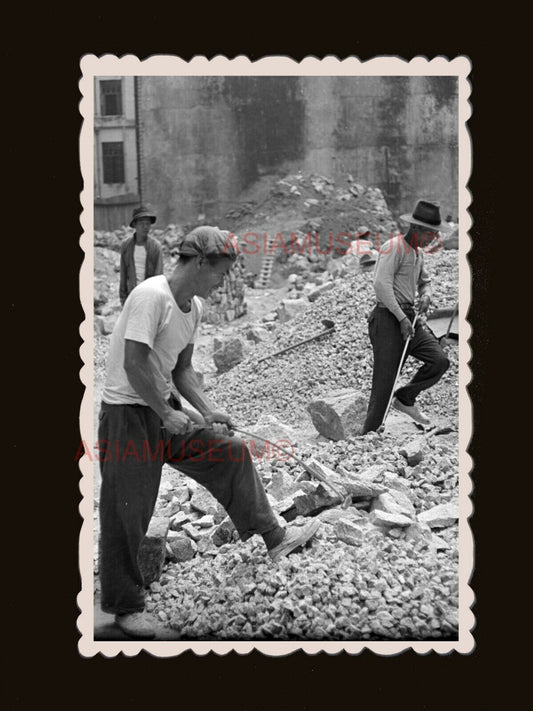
<point x="142" y="211"/>
<point x="427" y="214"/>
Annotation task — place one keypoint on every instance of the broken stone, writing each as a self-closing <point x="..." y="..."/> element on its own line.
<point x="177" y="521"/>
<point x="418" y="532"/>
<point x="438" y="543"/>
<point x="228" y="352"/>
<point x="394" y="502"/>
<point x="361" y="484"/>
<point x="191" y="530"/>
<point x="331" y="516"/>
<point x="152" y="552"/>
<point x="413" y="451"/>
<point x="282" y="486"/>
<point x="381" y="518"/>
<point x="223" y="533"/>
<point x="182" y="547"/>
<point x="349" y="532"/>
<point x="204" y="502"/>
<point x="313" y="295"/>
<point x="205" y="521"/>
<point x="440" y="516"/>
<point x="313" y="497"/>
<point x="339" y="414"/>
<point x="256" y="334"/>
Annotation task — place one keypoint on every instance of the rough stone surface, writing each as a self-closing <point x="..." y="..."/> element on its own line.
<point x="349" y="532"/>
<point x="182" y="547"/>
<point x="153" y="549"/>
<point x="394" y="502"/>
<point x="440" y="516"/>
<point x="413" y="451"/>
<point x="339" y="414"/>
<point x="228" y="352"/>
<point x="224" y="532"/>
<point x="204" y="502"/>
<point x="322" y="289"/>
<point x="381" y="518"/>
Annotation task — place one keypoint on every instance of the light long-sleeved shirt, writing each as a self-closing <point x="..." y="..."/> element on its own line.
<point x="399" y="273"/>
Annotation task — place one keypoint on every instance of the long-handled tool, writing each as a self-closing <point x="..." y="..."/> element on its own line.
<point x="314" y="473"/>
<point x="330" y="327"/>
<point x="407" y="341"/>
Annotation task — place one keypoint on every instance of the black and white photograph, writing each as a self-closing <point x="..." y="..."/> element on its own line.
<point x="275" y="345"/>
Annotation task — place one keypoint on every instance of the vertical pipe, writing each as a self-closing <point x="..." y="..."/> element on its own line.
<point x="138" y="135"/>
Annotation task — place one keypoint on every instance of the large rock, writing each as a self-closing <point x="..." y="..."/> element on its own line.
<point x="414" y="450"/>
<point x="228" y="352"/>
<point x="153" y="550"/>
<point x="339" y="414"/>
<point x="394" y="502"/>
<point x="270" y="428"/>
<point x="440" y="516"/>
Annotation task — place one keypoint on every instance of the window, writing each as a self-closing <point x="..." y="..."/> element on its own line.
<point x="113" y="162"/>
<point x="111" y="97"/>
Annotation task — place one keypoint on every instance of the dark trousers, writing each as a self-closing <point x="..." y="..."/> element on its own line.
<point x="132" y="451"/>
<point x="388" y="345"/>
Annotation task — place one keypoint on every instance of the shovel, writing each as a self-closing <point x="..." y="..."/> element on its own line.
<point x="330" y="327"/>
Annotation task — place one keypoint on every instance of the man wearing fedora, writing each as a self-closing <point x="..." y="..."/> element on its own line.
<point x="142" y="425"/>
<point x="399" y="274"/>
<point x="141" y="256"/>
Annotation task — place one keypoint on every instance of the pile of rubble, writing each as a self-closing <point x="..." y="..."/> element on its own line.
<point x="303" y="203"/>
<point x="284" y="385"/>
<point x="383" y="565"/>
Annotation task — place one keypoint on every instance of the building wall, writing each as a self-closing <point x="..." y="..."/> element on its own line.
<point x="206" y="139"/>
<point x="114" y="202"/>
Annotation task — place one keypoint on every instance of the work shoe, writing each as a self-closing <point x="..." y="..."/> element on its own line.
<point x="411" y="410"/>
<point x="136" y="624"/>
<point x="295" y="537"/>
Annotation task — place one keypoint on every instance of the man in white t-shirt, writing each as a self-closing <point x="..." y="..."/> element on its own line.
<point x="142" y="426"/>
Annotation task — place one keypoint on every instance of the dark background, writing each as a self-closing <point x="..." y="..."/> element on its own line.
<point x="42" y="229"/>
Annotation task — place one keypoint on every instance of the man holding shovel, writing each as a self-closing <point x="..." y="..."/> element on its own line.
<point x="399" y="274"/>
<point x="144" y="426"/>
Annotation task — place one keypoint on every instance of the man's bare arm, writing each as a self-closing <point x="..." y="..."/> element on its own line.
<point x="188" y="384"/>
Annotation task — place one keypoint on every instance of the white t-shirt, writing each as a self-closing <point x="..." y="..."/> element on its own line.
<point x="152" y="316"/>
<point x="139" y="258"/>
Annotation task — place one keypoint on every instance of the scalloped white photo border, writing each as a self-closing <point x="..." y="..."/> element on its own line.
<point x="168" y="65"/>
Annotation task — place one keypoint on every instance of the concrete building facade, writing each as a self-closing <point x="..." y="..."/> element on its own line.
<point x="116" y="171"/>
<point x="202" y="141"/>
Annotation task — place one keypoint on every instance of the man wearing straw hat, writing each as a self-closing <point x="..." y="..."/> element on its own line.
<point x="145" y="426"/>
<point x="399" y="274"/>
<point x="141" y="256"/>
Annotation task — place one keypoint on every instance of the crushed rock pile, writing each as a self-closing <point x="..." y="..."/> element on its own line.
<point x="307" y="202"/>
<point x="284" y="384"/>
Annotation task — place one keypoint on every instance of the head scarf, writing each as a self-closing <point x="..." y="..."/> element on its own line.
<point x="208" y="242"/>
